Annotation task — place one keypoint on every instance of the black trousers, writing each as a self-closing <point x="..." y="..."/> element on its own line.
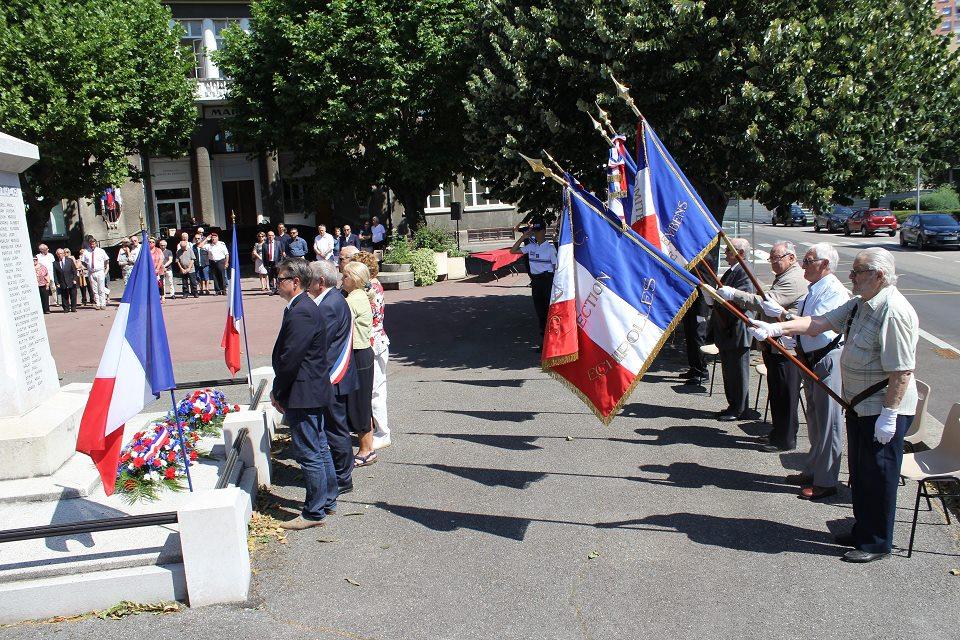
<point x="735" y="365"/>
<point x="271" y="267"/>
<point x="874" y="479"/>
<point x="68" y="299"/>
<point x="219" y="270"/>
<point x="359" y="402"/>
<point x="783" y="389"/>
<point x="693" y="335"/>
<point x="45" y="299"/>
<point x="541" y="284"/>
<point x="188" y="281"/>
<point x="338" y="435"/>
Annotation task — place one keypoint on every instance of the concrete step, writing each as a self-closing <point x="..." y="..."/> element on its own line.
<point x="394" y="267"/>
<point x="398" y="286"/>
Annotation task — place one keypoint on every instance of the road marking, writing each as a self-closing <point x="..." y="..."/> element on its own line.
<point x="930" y="256"/>
<point x="765" y="244"/>
<point x="937" y="342"/>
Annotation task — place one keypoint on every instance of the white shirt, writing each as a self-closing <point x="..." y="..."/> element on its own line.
<point x="826" y="294"/>
<point x="47" y="260"/>
<point x="323" y="294"/>
<point x="217" y="251"/>
<point x="294" y="298"/>
<point x="379" y="232"/>
<point x="134" y="252"/>
<point x="94" y="259"/>
<point x="323" y="246"/>
<point x="543" y="257"/>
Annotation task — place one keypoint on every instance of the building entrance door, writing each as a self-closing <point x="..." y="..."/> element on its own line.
<point x="174" y="209"/>
<point x="240" y="198"/>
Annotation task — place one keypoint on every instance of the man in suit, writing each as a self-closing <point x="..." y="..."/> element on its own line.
<point x="283" y="238"/>
<point x="65" y="277"/>
<point x="302" y="390"/>
<point x="338" y="324"/>
<point x="350" y="239"/>
<point x="271" y="252"/>
<point x="731" y="337"/>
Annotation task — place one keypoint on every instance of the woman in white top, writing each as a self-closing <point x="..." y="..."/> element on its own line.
<point x="258" y="266"/>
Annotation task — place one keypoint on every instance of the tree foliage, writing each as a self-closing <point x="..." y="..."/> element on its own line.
<point x="785" y="100"/>
<point x="90" y="82"/>
<point x="364" y="91"/>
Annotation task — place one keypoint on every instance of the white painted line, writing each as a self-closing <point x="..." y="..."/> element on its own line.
<point x="764" y="244"/>
<point x="930" y="256"/>
<point x="937" y="342"/>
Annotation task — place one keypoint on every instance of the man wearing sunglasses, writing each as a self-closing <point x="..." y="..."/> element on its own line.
<point x="783" y="378"/>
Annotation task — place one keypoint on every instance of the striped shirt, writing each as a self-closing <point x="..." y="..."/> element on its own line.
<point x="882" y="340"/>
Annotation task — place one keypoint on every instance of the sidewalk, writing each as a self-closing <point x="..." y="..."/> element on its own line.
<point x="505" y="510"/>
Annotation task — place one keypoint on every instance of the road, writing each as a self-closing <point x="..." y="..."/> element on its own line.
<point x="930" y="280"/>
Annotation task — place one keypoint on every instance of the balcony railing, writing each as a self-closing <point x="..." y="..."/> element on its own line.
<point x="210" y="89"/>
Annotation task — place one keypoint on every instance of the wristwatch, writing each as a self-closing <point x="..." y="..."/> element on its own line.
<point x="788" y="316"/>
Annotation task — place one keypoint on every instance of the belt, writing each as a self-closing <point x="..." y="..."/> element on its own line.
<point x="812" y="358"/>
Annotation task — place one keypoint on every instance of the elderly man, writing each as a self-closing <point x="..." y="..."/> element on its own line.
<point x="323" y="244"/>
<point x="346" y="255"/>
<point x="821" y="354"/>
<point x="731" y="337"/>
<point x="783" y="378"/>
<point x="876" y="368"/>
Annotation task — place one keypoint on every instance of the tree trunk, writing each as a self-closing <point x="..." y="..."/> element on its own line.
<point x="412" y="202"/>
<point x="38" y="213"/>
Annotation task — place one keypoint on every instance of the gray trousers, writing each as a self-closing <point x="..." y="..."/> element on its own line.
<point x="825" y="423"/>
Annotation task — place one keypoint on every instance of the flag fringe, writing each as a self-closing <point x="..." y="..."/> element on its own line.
<point x="556" y="361"/>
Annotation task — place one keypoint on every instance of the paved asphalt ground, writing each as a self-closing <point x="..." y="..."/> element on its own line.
<point x="930" y="280"/>
<point x="505" y="510"/>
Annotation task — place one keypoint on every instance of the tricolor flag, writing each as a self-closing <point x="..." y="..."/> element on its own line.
<point x="615" y="301"/>
<point x="667" y="211"/>
<point x="134" y="369"/>
<point x="621" y="176"/>
<point x="231" y="332"/>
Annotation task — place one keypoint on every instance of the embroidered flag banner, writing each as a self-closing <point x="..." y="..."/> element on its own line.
<point x="134" y="368"/>
<point x="621" y="177"/>
<point x="667" y="211"/>
<point x="615" y="300"/>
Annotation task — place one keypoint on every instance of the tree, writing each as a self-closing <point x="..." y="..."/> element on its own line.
<point x="90" y="82"/>
<point x="785" y="101"/>
<point x="363" y="91"/>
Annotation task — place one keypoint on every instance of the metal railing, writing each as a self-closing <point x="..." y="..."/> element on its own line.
<point x="258" y="395"/>
<point x="89" y="526"/>
<point x="232" y="458"/>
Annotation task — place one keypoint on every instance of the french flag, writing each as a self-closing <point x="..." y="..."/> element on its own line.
<point x="616" y="298"/>
<point x="134" y="369"/>
<point x="621" y="179"/>
<point x="231" y="332"/>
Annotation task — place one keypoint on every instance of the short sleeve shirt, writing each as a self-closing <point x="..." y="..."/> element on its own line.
<point x="378" y="233"/>
<point x="543" y="257"/>
<point x="882" y="340"/>
<point x="217" y="251"/>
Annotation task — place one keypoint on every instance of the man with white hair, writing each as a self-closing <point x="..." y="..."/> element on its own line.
<point x="783" y="377"/>
<point x="879" y="355"/>
<point x="821" y="469"/>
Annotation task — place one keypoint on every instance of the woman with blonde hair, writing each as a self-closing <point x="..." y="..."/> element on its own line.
<point x="381" y="353"/>
<point x="356" y="284"/>
<point x="258" y="267"/>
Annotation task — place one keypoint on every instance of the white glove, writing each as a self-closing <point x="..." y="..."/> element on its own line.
<point x="706" y="296"/>
<point x="788" y="342"/>
<point x="886" y="426"/>
<point x="726" y="293"/>
<point x="772" y="309"/>
<point x="763" y="330"/>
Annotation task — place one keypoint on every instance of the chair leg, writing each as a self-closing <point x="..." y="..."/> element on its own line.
<point x="803" y="406"/>
<point x="943" y="503"/>
<point x="916" y="511"/>
<point x="713" y="375"/>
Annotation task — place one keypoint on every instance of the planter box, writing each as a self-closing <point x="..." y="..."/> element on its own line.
<point x="440" y="258"/>
<point x="395" y="267"/>
<point x="456" y="268"/>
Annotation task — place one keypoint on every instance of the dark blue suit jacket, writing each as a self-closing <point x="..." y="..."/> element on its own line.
<point x="277" y="250"/>
<point x="352" y="240"/>
<point x="338" y="324"/>
<point x="301" y="372"/>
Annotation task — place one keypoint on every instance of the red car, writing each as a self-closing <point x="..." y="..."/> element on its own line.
<point x="869" y="221"/>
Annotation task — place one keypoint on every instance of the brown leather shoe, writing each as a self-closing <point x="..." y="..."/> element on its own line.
<point x="300" y="523"/>
<point x="816" y="493"/>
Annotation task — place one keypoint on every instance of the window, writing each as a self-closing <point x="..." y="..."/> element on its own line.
<point x="945" y="26"/>
<point x="946" y="11"/>
<point x="219" y="26"/>
<point x="192" y="43"/>
<point x="297" y="196"/>
<point x="440" y="199"/>
<point x="57" y="226"/>
<point x="478" y="195"/>
<point x="223" y="142"/>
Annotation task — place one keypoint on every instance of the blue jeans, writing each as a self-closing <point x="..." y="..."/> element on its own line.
<point x="312" y="452"/>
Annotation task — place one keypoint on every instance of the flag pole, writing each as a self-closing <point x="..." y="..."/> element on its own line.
<point x="743" y="263"/>
<point x="183" y="446"/>
<point x="776" y="345"/>
<point x="600" y="130"/>
<point x="246" y="346"/>
<point x="624" y="92"/>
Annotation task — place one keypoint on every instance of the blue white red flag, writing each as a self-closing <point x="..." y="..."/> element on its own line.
<point x="667" y="211"/>
<point x="134" y="369"/>
<point x="615" y="300"/>
<point x="621" y="178"/>
<point x="231" y="332"/>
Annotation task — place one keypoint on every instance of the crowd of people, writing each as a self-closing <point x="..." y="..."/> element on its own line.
<point x="330" y="367"/>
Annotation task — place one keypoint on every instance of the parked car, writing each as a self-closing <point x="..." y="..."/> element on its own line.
<point x="832" y="218"/>
<point x="789" y="215"/>
<point x="870" y="221"/>
<point x="929" y="230"/>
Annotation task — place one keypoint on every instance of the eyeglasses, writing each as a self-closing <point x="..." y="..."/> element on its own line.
<point x="282" y="278"/>
<point x="780" y="257"/>
<point x="809" y="261"/>
<point x="855" y="272"/>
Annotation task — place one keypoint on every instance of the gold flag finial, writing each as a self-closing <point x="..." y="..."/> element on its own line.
<point x="624" y="92"/>
<point x="605" y="118"/>
<point x="600" y="130"/>
<point x="545" y="154"/>
<point x="537" y="166"/>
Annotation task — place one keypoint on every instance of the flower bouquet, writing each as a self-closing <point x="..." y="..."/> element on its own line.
<point x="203" y="411"/>
<point x="152" y="461"/>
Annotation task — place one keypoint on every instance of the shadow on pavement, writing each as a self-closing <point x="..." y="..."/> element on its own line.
<point x="492" y="477"/>
<point x="440" y="520"/>
<point x="690" y="475"/>
<point x="642" y="410"/>
<point x="696" y="435"/>
<point x="741" y="534"/>
<point x="515" y="383"/>
<point x="511" y="442"/>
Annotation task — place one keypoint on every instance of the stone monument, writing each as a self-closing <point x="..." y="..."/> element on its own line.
<point x="38" y="419"/>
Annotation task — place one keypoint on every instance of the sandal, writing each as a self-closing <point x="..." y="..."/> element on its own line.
<point x="365" y="461"/>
